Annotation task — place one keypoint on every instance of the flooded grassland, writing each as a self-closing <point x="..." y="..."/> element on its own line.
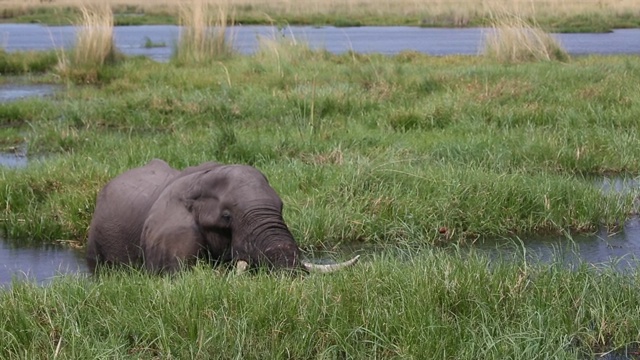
<point x="406" y="151"/>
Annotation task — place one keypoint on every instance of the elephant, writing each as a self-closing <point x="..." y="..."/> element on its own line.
<point x="164" y="219"/>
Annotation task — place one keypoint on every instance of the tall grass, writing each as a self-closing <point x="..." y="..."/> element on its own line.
<point x="285" y="51"/>
<point x="203" y="36"/>
<point x="94" y="46"/>
<point x="513" y="39"/>
<point x="430" y="304"/>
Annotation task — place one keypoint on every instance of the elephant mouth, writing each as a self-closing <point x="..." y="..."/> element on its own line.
<point x="242" y="266"/>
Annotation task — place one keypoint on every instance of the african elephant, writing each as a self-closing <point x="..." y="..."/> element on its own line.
<point x="163" y="219"/>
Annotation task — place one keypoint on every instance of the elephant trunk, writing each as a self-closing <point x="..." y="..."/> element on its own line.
<point x="269" y="242"/>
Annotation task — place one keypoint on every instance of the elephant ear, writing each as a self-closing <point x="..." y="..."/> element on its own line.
<point x="170" y="236"/>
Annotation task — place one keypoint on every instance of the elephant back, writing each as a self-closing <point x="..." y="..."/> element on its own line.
<point x="121" y="210"/>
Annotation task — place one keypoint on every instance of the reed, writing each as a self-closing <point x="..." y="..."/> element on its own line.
<point x="512" y="39"/>
<point x="285" y="51"/>
<point x="94" y="46"/>
<point x="203" y="37"/>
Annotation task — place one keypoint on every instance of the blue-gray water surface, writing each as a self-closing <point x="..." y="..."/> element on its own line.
<point x="12" y="160"/>
<point x="12" y="92"/>
<point x="368" y="39"/>
<point x="39" y="264"/>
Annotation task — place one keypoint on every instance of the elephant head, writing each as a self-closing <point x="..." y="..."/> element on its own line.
<point x="224" y="213"/>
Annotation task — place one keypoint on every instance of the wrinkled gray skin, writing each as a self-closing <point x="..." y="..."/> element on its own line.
<point x="165" y="218"/>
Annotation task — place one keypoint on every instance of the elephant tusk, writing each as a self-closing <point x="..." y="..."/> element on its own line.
<point x="330" y="267"/>
<point x="241" y="266"/>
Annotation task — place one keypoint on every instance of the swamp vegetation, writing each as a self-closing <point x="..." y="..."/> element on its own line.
<point x="361" y="148"/>
<point x="408" y="151"/>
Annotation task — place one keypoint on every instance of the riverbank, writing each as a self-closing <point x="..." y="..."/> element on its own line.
<point x="441" y="304"/>
<point x="553" y="16"/>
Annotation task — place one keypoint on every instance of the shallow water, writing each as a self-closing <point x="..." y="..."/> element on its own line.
<point x="620" y="250"/>
<point x="13" y="160"/>
<point x="13" y="92"/>
<point x="38" y="263"/>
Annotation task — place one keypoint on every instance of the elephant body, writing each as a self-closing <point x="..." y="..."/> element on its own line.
<point x="163" y="218"/>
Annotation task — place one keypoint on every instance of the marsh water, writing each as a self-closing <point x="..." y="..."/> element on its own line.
<point x="38" y="263"/>
<point x="621" y="250"/>
<point x="157" y="41"/>
<point x="12" y="92"/>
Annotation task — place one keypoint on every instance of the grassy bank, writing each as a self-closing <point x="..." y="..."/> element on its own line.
<point x="361" y="147"/>
<point x="444" y="305"/>
<point x="566" y="16"/>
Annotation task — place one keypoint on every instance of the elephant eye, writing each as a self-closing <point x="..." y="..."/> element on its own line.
<point x="226" y="216"/>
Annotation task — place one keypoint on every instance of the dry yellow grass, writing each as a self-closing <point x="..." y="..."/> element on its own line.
<point x="94" y="43"/>
<point x="434" y="8"/>
<point x="513" y="39"/>
<point x="203" y="37"/>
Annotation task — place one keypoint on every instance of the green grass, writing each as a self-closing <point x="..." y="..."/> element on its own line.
<point x="149" y="44"/>
<point x="447" y="305"/>
<point x="22" y="63"/>
<point x="361" y="148"/>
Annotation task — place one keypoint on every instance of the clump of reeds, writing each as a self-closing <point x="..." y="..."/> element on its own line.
<point x="94" y="45"/>
<point x="513" y="39"/>
<point x="203" y="37"/>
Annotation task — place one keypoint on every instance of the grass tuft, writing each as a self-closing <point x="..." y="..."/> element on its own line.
<point x="513" y="39"/>
<point x="94" y="46"/>
<point x="203" y="38"/>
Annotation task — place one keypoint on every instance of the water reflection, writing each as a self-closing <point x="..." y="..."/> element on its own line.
<point x="38" y="263"/>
